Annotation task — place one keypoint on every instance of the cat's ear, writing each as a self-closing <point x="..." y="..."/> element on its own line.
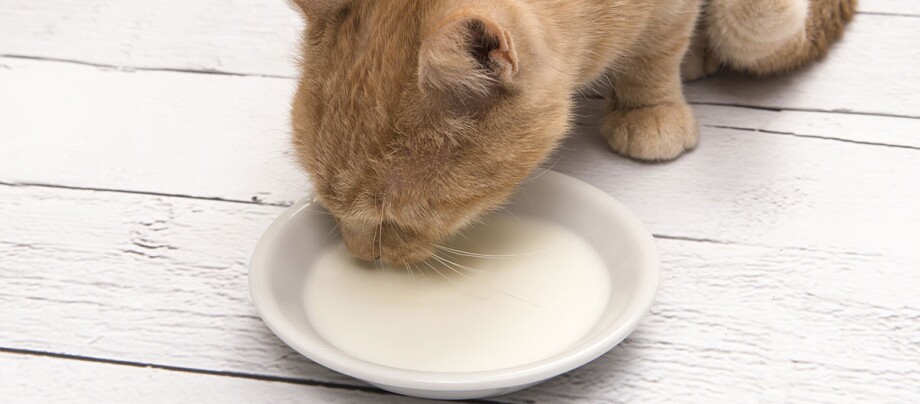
<point x="315" y="9"/>
<point x="469" y="58"/>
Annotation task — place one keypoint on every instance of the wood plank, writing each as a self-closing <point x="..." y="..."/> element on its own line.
<point x="172" y="270"/>
<point x="238" y="36"/>
<point x="28" y="379"/>
<point x="225" y="138"/>
<point x="751" y="188"/>
<point x="202" y="135"/>
<point x="869" y="72"/>
<point x="170" y="275"/>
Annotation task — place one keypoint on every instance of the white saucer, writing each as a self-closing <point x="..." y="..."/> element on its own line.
<point x="284" y="254"/>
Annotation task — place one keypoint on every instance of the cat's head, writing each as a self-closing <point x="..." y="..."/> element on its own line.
<point x="414" y="117"/>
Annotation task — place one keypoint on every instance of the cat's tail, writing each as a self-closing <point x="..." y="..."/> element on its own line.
<point x="765" y="37"/>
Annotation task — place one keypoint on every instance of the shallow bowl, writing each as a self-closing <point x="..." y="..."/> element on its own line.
<point x="285" y="252"/>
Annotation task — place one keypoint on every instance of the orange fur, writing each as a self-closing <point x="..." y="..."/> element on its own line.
<point x="413" y="117"/>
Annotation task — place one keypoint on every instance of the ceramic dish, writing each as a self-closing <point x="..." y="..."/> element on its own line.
<point x="283" y="256"/>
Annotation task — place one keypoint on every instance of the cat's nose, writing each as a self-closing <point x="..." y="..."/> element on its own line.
<point x="361" y="240"/>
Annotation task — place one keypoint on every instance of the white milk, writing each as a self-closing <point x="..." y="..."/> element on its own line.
<point x="505" y="312"/>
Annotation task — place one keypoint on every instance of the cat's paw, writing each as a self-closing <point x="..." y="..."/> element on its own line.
<point x="654" y="133"/>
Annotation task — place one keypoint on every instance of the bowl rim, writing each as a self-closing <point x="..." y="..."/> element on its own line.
<point x="576" y="356"/>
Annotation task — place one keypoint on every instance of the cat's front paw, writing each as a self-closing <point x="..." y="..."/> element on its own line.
<point x="654" y="133"/>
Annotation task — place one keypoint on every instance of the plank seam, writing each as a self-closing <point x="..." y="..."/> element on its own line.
<point x="254" y="201"/>
<point x="781" y="109"/>
<point x="222" y="373"/>
<point x="159" y="310"/>
<point x="129" y="69"/>
<point x="836" y="139"/>
<point x="119" y="191"/>
<point x="887" y="14"/>
<point x="826" y="111"/>
<point x="692" y="239"/>
<point x="588" y="96"/>
<point x="763" y="246"/>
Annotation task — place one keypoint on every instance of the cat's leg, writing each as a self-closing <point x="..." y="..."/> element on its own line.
<point x="699" y="62"/>
<point x="647" y="115"/>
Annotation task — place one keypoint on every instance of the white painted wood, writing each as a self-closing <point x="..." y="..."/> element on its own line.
<point x="902" y="7"/>
<point x="239" y="36"/>
<point x="163" y="273"/>
<point x="766" y="190"/>
<point x="801" y="285"/>
<point x="260" y="37"/>
<point x="190" y="134"/>
<point x="162" y="281"/>
<point x="218" y="136"/>
<point x="29" y="379"/>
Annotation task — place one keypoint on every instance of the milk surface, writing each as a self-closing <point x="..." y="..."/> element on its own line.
<point x="544" y="293"/>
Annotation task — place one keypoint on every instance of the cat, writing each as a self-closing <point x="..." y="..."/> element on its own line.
<point x="412" y="118"/>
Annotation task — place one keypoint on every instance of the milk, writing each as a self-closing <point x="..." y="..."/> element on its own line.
<point x="543" y="294"/>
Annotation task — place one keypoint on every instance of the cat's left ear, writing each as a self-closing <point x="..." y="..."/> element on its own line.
<point x="471" y="56"/>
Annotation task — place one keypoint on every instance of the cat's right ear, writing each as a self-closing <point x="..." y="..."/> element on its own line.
<point x="315" y="9"/>
<point x="468" y="60"/>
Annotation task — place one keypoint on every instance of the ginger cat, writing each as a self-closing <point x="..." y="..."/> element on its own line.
<point x="414" y="117"/>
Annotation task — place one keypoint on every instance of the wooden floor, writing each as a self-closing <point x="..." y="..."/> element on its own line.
<point x="143" y="150"/>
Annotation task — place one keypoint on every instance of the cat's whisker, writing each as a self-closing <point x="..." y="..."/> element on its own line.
<point x="353" y="202"/>
<point x="478" y="255"/>
<point x="379" y="230"/>
<point x="380" y="250"/>
<point x="461" y="266"/>
<point x="463" y="234"/>
<point x="439" y="272"/>
<point x="378" y="261"/>
<point x="411" y="274"/>
<point x="529" y="201"/>
<point x="484" y="272"/>
<point x="330" y="233"/>
<point x="504" y="209"/>
<point x="558" y="159"/>
<point x="474" y="255"/>
<point x="319" y="212"/>
<point x="448" y="266"/>
<point x="421" y="271"/>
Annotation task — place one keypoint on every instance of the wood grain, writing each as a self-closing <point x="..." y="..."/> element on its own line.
<point x="29" y="379"/>
<point x="163" y="281"/>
